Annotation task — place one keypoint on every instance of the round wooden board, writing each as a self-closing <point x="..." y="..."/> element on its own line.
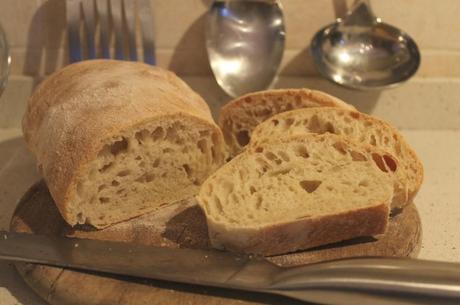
<point x="180" y="225"/>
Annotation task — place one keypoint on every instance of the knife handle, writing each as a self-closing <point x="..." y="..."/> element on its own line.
<point x="372" y="281"/>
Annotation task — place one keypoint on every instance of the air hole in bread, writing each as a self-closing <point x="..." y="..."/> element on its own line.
<point x="242" y="137"/>
<point x="357" y="156"/>
<point x="121" y="191"/>
<point x="314" y="125"/>
<point x="252" y="189"/>
<point x="270" y="156"/>
<point x="218" y="204"/>
<point x="301" y="151"/>
<point x="171" y="134"/>
<point x="124" y="173"/>
<point x="373" y="141"/>
<point x="379" y="162"/>
<point x="329" y="128"/>
<point x="104" y="199"/>
<point x="275" y="122"/>
<point x="310" y="185"/>
<point x="202" y="145"/>
<point x="145" y="178"/>
<point x="105" y="167"/>
<point x="142" y="136"/>
<point x="168" y="150"/>
<point x="364" y="183"/>
<point x="263" y="165"/>
<point x="386" y="140"/>
<point x="158" y="134"/>
<point x="187" y="170"/>
<point x="340" y="147"/>
<point x="264" y="112"/>
<point x="119" y="147"/>
<point x="390" y="162"/>
<point x="284" y="156"/>
<point x="115" y="183"/>
<point x="259" y="149"/>
<point x="258" y="202"/>
<point x="288" y="123"/>
<point x="279" y="172"/>
<point x="138" y="158"/>
<point x="101" y="187"/>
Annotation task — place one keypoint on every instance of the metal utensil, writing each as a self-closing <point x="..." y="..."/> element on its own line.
<point x="245" y="43"/>
<point x="105" y="18"/>
<point x="361" y="52"/>
<point x="5" y="60"/>
<point x="374" y="281"/>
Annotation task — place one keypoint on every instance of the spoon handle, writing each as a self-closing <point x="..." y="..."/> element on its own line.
<point x="373" y="281"/>
<point x="360" y="14"/>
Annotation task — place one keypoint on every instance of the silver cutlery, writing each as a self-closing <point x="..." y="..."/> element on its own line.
<point x="362" y="52"/>
<point x="376" y="281"/>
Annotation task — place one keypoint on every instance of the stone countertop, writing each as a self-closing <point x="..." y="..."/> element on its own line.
<point x="437" y="201"/>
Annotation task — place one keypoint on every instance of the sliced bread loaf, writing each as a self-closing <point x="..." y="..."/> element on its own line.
<point x="358" y="127"/>
<point x="239" y="117"/>
<point x="115" y="140"/>
<point x="297" y="193"/>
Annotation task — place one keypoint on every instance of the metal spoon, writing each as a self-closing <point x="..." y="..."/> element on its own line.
<point x="362" y="52"/>
<point x="245" y="43"/>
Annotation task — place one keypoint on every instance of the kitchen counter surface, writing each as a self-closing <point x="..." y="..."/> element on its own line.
<point x="438" y="200"/>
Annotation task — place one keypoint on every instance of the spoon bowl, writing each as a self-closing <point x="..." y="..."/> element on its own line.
<point x="245" y="44"/>
<point x="361" y="52"/>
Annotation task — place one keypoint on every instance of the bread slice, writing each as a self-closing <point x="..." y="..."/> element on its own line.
<point x="358" y="127"/>
<point x="115" y="140"/>
<point x="239" y="117"/>
<point x="297" y="193"/>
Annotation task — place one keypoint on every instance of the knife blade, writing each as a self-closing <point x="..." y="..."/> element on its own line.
<point x="377" y="281"/>
<point x="193" y="266"/>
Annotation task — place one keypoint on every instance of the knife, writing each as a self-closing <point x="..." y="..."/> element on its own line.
<point x="349" y="281"/>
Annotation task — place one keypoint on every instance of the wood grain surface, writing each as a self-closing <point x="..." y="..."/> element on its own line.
<point x="180" y="225"/>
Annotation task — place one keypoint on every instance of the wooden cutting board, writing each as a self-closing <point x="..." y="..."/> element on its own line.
<point x="180" y="225"/>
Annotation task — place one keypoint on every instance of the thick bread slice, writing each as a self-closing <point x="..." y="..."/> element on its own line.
<point x="239" y="117"/>
<point x="358" y="127"/>
<point x="115" y="140"/>
<point x="297" y="193"/>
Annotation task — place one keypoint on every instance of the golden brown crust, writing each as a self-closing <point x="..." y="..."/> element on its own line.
<point x="303" y="234"/>
<point x="246" y="112"/>
<point x="75" y="110"/>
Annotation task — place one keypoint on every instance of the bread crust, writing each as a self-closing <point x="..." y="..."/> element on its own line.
<point x="72" y="114"/>
<point x="301" y="234"/>
<point x="275" y="101"/>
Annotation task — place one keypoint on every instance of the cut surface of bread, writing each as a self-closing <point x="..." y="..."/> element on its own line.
<point x="115" y="140"/>
<point x="358" y="127"/>
<point x="297" y="193"/>
<point x="239" y="117"/>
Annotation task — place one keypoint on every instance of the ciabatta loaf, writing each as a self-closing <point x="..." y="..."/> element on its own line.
<point x="358" y="127"/>
<point x="239" y="117"/>
<point x="297" y="193"/>
<point x="115" y="140"/>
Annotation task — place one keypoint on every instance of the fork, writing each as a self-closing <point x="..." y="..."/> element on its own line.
<point x="95" y="22"/>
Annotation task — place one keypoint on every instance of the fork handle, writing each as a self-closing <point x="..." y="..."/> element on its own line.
<point x="376" y="281"/>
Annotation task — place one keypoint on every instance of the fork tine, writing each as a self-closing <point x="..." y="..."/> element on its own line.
<point x="118" y="28"/>
<point x="73" y="27"/>
<point x="129" y="10"/>
<point x="103" y="11"/>
<point x="90" y="24"/>
<point x="146" y="20"/>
